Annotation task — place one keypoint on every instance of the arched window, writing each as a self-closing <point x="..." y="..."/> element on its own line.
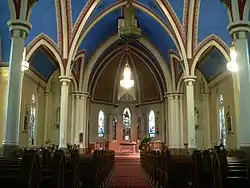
<point x="101" y="128"/>
<point x="32" y="120"/>
<point x="151" y="124"/>
<point x="126" y="124"/>
<point x="222" y="120"/>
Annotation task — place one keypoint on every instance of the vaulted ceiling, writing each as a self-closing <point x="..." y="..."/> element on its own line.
<point x="210" y="22"/>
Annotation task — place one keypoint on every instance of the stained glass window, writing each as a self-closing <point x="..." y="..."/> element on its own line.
<point x="222" y="121"/>
<point x="126" y="124"/>
<point x="32" y="120"/>
<point x="101" y="124"/>
<point x="151" y="124"/>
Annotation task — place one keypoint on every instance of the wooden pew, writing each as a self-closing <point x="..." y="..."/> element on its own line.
<point x="229" y="171"/>
<point x="216" y="169"/>
<point x="95" y="168"/>
<point x="20" y="173"/>
<point x="166" y="170"/>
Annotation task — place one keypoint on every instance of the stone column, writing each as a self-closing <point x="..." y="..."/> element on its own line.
<point x="46" y="111"/>
<point x="65" y="81"/>
<point x="81" y="119"/>
<point x="206" y="119"/>
<point x="190" y="111"/>
<point x="73" y="118"/>
<point x="181" y="120"/>
<point x="19" y="27"/>
<point x="163" y="124"/>
<point x="77" y="119"/>
<point x="167" y="119"/>
<point x="4" y="71"/>
<point x="173" y="128"/>
<point x="240" y="37"/>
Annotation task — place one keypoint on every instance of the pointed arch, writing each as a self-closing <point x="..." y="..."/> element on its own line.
<point x="211" y="41"/>
<point x="101" y="124"/>
<point x="151" y="124"/>
<point x="43" y="40"/>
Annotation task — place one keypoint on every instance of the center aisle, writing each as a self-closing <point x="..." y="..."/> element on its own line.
<point x="128" y="173"/>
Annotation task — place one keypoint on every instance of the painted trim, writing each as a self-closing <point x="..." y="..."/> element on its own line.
<point x="77" y="30"/>
<point x="42" y="41"/>
<point x="210" y="41"/>
<point x="179" y="36"/>
<point x="64" y="28"/>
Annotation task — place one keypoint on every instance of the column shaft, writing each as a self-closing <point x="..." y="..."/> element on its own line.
<point x="206" y="119"/>
<point x="83" y="116"/>
<point x="64" y="111"/>
<point x="11" y="137"/>
<point x="77" y="120"/>
<point x="190" y="112"/>
<point x="241" y="47"/>
<point x="46" y="111"/>
<point x="73" y="114"/>
<point x="181" y="121"/>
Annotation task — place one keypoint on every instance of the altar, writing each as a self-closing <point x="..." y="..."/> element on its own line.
<point x="127" y="147"/>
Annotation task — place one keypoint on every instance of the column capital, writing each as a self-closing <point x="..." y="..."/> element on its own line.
<point x="173" y="94"/>
<point x="80" y="94"/>
<point x="65" y="79"/>
<point x="239" y="29"/>
<point x="19" y="29"/>
<point x="189" y="80"/>
<point x="47" y="93"/>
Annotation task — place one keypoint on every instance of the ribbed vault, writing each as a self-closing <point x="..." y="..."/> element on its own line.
<point x="150" y="85"/>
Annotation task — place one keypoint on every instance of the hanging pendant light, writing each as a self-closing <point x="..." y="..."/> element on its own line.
<point x="127" y="82"/>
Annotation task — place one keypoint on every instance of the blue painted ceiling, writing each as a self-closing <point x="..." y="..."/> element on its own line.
<point x="212" y="64"/>
<point x="213" y="19"/>
<point x="44" y="20"/>
<point x="43" y="63"/>
<point x="4" y="31"/>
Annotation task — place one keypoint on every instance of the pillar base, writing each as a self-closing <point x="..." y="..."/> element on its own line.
<point x="9" y="151"/>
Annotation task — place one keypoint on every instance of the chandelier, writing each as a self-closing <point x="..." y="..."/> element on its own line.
<point x="127" y="82"/>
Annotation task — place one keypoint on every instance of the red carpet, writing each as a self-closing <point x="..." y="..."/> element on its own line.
<point x="128" y="173"/>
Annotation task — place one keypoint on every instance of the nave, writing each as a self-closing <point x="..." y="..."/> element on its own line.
<point x="214" y="168"/>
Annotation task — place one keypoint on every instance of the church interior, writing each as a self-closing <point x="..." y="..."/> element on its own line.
<point x="139" y="92"/>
